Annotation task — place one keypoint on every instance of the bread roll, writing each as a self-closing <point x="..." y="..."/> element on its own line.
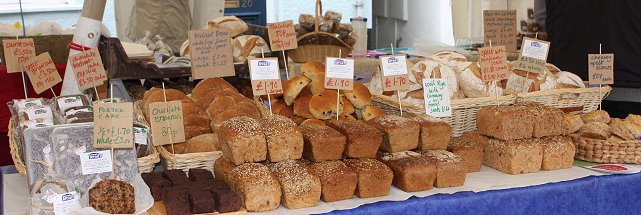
<point x="301" y="107"/>
<point x="248" y="45"/>
<point x="348" y="107"/>
<point x="311" y="68"/>
<point x="317" y="84"/>
<point x="369" y="112"/>
<point x="634" y="118"/>
<point x="595" y="130"/>
<point x="203" y="143"/>
<point x="323" y="105"/>
<point x="359" y="96"/>
<point x="235" y="25"/>
<point x="597" y="116"/>
<point x="568" y="80"/>
<point x="293" y="87"/>
<point x="572" y="123"/>
<point x="627" y="130"/>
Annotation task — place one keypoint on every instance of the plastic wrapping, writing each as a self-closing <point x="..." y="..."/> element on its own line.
<point x="144" y="200"/>
<point x="48" y="195"/>
<point x="62" y="103"/>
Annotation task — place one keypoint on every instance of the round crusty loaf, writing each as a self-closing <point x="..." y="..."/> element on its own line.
<point x="323" y="105"/>
<point x="248" y="45"/>
<point x="293" y="87"/>
<point x="453" y="59"/>
<point x="369" y="112"/>
<point x="430" y="68"/>
<point x="312" y="121"/>
<point x="472" y="84"/>
<point x="359" y="95"/>
<point x="219" y="105"/>
<point x="210" y="85"/>
<point x="301" y="107"/>
<point x="568" y="80"/>
<point x="203" y="143"/>
<point x="348" y="107"/>
<point x="597" y="116"/>
<point x="235" y="25"/>
<point x="311" y="68"/>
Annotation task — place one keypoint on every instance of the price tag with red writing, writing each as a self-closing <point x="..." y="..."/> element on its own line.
<point x="493" y="62"/>
<point x="265" y="76"/>
<point x="17" y="52"/>
<point x="339" y="73"/>
<point x="394" y="72"/>
<point x="88" y="68"/>
<point x="282" y="35"/>
<point x="42" y="72"/>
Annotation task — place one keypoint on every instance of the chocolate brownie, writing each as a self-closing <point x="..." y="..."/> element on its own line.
<point x="156" y="187"/>
<point x="149" y="176"/>
<point x="176" y="176"/>
<point x="199" y="186"/>
<point x="176" y="200"/>
<point x="201" y="202"/>
<point x="200" y="175"/>
<point x="226" y="200"/>
<point x="218" y="184"/>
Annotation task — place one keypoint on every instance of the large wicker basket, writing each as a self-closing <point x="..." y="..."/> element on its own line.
<point x="201" y="160"/>
<point x="463" y="110"/>
<point x="16" y="153"/>
<point x="583" y="99"/>
<point x="601" y="151"/>
<point x="317" y="45"/>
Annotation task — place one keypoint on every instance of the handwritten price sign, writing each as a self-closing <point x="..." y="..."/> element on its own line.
<point x="394" y="72"/>
<point x="437" y="97"/>
<point x="88" y="68"/>
<point x="282" y="35"/>
<point x="167" y="122"/>
<point x="265" y="76"/>
<point x="500" y="28"/>
<point x="533" y="55"/>
<point x="17" y="52"/>
<point x="493" y="62"/>
<point x="211" y="53"/>
<point x="42" y="72"/>
<point x="339" y="73"/>
<point x="113" y="125"/>
<point x="601" y="68"/>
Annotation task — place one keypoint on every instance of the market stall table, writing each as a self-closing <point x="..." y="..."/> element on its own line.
<point x="568" y="191"/>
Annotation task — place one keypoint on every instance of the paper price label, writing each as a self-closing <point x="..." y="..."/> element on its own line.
<point x="493" y="62"/>
<point x="395" y="76"/>
<point x="113" y="125"/>
<point x="140" y="135"/>
<point x="601" y="68"/>
<point x="282" y="35"/>
<point x="211" y="53"/>
<point x="339" y="73"/>
<point x="531" y="65"/>
<point x="66" y="202"/>
<point x="518" y="84"/>
<point x="437" y="97"/>
<point x="499" y="26"/>
<point x="17" y="52"/>
<point x="88" y="68"/>
<point x="42" y="72"/>
<point x="167" y="123"/>
<point x="265" y="76"/>
<point x="96" y="162"/>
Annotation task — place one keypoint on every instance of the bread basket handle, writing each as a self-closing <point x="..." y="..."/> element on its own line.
<point x="318" y="12"/>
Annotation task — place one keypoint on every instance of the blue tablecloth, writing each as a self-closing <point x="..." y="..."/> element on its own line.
<point x="613" y="194"/>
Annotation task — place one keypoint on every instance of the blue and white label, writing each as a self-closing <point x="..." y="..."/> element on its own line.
<point x="339" y="68"/>
<point x="65" y="203"/>
<point x="437" y="97"/>
<point x="96" y="162"/>
<point x="264" y="69"/>
<point x="536" y="49"/>
<point x="394" y="65"/>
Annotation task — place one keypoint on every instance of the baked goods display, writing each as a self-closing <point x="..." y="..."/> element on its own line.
<point x="470" y="151"/>
<point x="435" y="133"/>
<point x="258" y="187"/>
<point x="363" y="140"/>
<point x="242" y="140"/>
<point x="322" y="143"/>
<point x="400" y="133"/>
<point x="328" y="23"/>
<point x="514" y="156"/>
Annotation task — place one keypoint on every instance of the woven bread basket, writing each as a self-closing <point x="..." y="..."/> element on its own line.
<point x="602" y="151"/>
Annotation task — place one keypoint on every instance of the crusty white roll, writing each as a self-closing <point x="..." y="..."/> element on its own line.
<point x="472" y="84"/>
<point x="248" y="45"/>
<point x="235" y="25"/>
<point x="359" y="95"/>
<point x="323" y="105"/>
<point x="293" y="87"/>
<point x="568" y="80"/>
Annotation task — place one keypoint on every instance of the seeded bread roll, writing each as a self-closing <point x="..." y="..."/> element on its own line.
<point x="572" y="123"/>
<point x="348" y="107"/>
<point x="412" y="172"/>
<point x="400" y="133"/>
<point x="235" y="25"/>
<point x="363" y="140"/>
<point x="322" y="143"/>
<point x="258" y="187"/>
<point x="311" y="68"/>
<point x="359" y="96"/>
<point x="301" y="107"/>
<point x="323" y="105"/>
<point x="595" y="130"/>
<point x="293" y="87"/>
<point x="625" y="129"/>
<point x="435" y="133"/>
<point x="338" y="182"/>
<point x="312" y="121"/>
<point x="514" y="157"/>
<point x="284" y="138"/>
<point x="450" y="168"/>
<point x="558" y="153"/>
<point x="203" y="143"/>
<point x="634" y="118"/>
<point x="300" y="187"/>
<point x="242" y="140"/>
<point x="500" y="122"/>
<point x="113" y="196"/>
<point x="374" y="178"/>
<point x="596" y="116"/>
<point x="471" y="152"/>
<point x="369" y="112"/>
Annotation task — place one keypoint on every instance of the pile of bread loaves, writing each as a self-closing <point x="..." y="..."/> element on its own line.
<point x="516" y="139"/>
<point x="598" y="125"/>
<point x="244" y="46"/>
<point x="464" y="78"/>
<point x="329" y="23"/>
<point x="272" y="161"/>
<point x="305" y="98"/>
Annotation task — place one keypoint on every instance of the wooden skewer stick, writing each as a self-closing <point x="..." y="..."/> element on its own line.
<point x="600" y="101"/>
<point x="398" y="92"/>
<point x="338" y="92"/>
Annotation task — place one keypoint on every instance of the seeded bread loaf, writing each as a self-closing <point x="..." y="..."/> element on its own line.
<point x="242" y="140"/>
<point x="597" y="116"/>
<point x="505" y="122"/>
<point x="257" y="186"/>
<point x="322" y="143"/>
<point x="450" y="168"/>
<point x="338" y="182"/>
<point x="284" y="138"/>
<point x="547" y="121"/>
<point x="363" y="140"/>
<point x="514" y="157"/>
<point x="300" y="187"/>
<point x="374" y="177"/>
<point x="558" y="152"/>
<point x="572" y="123"/>
<point x="470" y="152"/>
<point x="476" y="138"/>
<point x="400" y="133"/>
<point x="412" y="172"/>
<point x="435" y="133"/>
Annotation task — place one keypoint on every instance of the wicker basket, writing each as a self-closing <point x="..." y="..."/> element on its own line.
<point x="317" y="45"/>
<point x="463" y="110"/>
<point x="16" y="154"/>
<point x="146" y="163"/>
<point x="583" y="99"/>
<point x="601" y="151"/>
<point x="201" y="160"/>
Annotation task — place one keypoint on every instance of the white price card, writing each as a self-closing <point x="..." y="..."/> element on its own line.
<point x="437" y="97"/>
<point x="66" y="202"/>
<point x="339" y="73"/>
<point x="533" y="48"/>
<point x="264" y="69"/>
<point x="96" y="162"/>
<point x="140" y="135"/>
<point x="394" y="65"/>
<point x="518" y="84"/>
